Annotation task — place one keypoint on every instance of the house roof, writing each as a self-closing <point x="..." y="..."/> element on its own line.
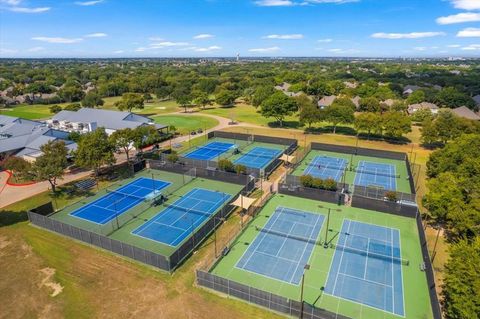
<point x="327" y="100"/>
<point x="466" y="113"/>
<point x="476" y="98"/>
<point x="113" y="120"/>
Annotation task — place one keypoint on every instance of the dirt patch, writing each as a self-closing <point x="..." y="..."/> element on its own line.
<point x="47" y="281"/>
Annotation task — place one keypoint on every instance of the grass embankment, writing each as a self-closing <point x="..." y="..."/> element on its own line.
<point x="187" y="123"/>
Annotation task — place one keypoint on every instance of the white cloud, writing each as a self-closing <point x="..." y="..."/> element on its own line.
<point x="118" y="52"/>
<point x="289" y="3"/>
<point x="454" y="46"/>
<point x="7" y="51"/>
<point x="325" y="40"/>
<point x="284" y="36"/>
<point x="420" y="49"/>
<point x="96" y="35"/>
<point x="459" y="18"/>
<point x="29" y="10"/>
<point x="208" y="49"/>
<point x="88" y="3"/>
<point x="203" y="36"/>
<point x="469" y="33"/>
<point x="472" y="47"/>
<point x="343" y="51"/>
<point x="158" y="39"/>
<point x="57" y="40"/>
<point x="466" y="4"/>
<point x="11" y="2"/>
<point x="164" y="44"/>
<point x="274" y="3"/>
<point x="412" y="35"/>
<point x="141" y="49"/>
<point x="265" y="50"/>
<point x="36" y="49"/>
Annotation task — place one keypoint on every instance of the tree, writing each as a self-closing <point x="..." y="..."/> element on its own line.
<point x="416" y="97"/>
<point x="369" y="104"/>
<point x="145" y="135"/>
<point x="123" y="139"/>
<point x="452" y="98"/>
<point x="345" y="101"/>
<point x="319" y="88"/>
<point x="261" y="94"/>
<point x="202" y="99"/>
<point x="395" y="124"/>
<point x="278" y="106"/>
<point x="422" y="115"/>
<point x="92" y="99"/>
<point x="339" y="114"/>
<point x="447" y="125"/>
<point x="51" y="164"/>
<point x="225" y="98"/>
<point x="73" y="93"/>
<point x="368" y="122"/>
<point x="183" y="101"/>
<point x="73" y="107"/>
<point x="130" y="101"/>
<point x="462" y="280"/>
<point x="18" y="166"/>
<point x="309" y="112"/>
<point x="94" y="150"/>
<point x="55" y="108"/>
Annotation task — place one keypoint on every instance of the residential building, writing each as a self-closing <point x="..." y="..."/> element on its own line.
<point x="466" y="113"/>
<point x="423" y="106"/>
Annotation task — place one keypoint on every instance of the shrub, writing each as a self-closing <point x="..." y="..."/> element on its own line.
<point x="391" y="196"/>
<point x="240" y="169"/>
<point x="172" y="157"/>
<point x="330" y="184"/>
<point x="318" y="183"/>
<point x="306" y="180"/>
<point x="226" y="165"/>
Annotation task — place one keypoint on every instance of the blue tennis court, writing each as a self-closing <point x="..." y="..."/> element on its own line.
<point x="367" y="267"/>
<point x="210" y="151"/>
<point x="326" y="167"/>
<point x="376" y="175"/>
<point x="283" y="247"/>
<point x="258" y="157"/>
<point x="120" y="200"/>
<point x="175" y="223"/>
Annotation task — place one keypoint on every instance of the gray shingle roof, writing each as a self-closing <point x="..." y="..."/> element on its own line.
<point x="466" y="113"/>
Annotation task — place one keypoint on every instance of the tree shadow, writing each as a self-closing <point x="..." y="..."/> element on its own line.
<point x="341" y="130"/>
<point x="285" y="124"/>
<point x="8" y="218"/>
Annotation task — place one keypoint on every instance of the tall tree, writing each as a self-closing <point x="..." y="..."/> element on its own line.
<point x="262" y="93"/>
<point x="202" y="99"/>
<point x="278" y="106"/>
<point x="368" y="122"/>
<point x="123" y="139"/>
<point x="51" y="164"/>
<point x="94" y="150"/>
<point x="396" y="124"/>
<point x="92" y="99"/>
<point x="339" y="114"/>
<point x="130" y="101"/>
<point x="225" y="98"/>
<point x="17" y="166"/>
<point x="309" y="113"/>
<point x="369" y="104"/>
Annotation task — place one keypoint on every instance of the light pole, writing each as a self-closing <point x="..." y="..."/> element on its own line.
<point x="325" y="244"/>
<point x="215" y="233"/>
<point x="305" y="268"/>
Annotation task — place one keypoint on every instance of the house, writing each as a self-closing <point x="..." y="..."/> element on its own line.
<point x="466" y="113"/>
<point x="285" y="89"/>
<point x="356" y="101"/>
<point x="86" y="120"/>
<point x="423" y="106"/>
<point x="24" y="138"/>
<point x="409" y="89"/>
<point x="326" y="101"/>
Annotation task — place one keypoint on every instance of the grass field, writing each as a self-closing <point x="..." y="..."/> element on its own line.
<point x="417" y="303"/>
<point x="30" y="112"/>
<point x="402" y="183"/>
<point x="185" y="124"/>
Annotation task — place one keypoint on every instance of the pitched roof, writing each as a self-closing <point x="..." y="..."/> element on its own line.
<point x="476" y="98"/>
<point x="327" y="100"/>
<point x="113" y="120"/>
<point x="466" y="113"/>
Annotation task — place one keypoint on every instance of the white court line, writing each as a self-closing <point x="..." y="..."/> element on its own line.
<point x="366" y="280"/>
<point x="341" y="259"/>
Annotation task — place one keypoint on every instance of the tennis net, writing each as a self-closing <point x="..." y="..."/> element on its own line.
<point x="322" y="166"/>
<point x="393" y="259"/>
<point x="364" y="171"/>
<point x="188" y="210"/>
<point x="125" y="195"/>
<point x="290" y="236"/>
<point x="216" y="150"/>
<point x="262" y="155"/>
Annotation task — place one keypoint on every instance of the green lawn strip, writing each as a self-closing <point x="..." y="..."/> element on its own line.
<point x="140" y="214"/>
<point x="29" y="112"/>
<point x="417" y="303"/>
<point x="185" y="124"/>
<point x="400" y="166"/>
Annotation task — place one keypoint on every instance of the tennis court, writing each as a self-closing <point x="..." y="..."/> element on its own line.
<point x="367" y="267"/>
<point x="376" y="175"/>
<point x="117" y="202"/>
<point x="180" y="219"/>
<point x="283" y="247"/>
<point x="258" y="157"/>
<point x="326" y="167"/>
<point x="210" y="151"/>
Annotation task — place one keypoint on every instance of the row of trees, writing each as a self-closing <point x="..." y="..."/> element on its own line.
<point x="453" y="201"/>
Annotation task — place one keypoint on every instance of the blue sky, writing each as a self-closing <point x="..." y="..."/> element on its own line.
<point x="196" y="28"/>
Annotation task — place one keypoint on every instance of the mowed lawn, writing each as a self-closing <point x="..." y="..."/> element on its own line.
<point x="187" y="123"/>
<point x="30" y="112"/>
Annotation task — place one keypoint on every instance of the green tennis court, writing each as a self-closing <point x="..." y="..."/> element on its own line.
<point x="414" y="292"/>
<point x="401" y="178"/>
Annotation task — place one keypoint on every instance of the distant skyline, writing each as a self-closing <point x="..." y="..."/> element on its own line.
<point x="252" y="28"/>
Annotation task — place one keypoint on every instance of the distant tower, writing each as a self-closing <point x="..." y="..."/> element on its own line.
<point x="238" y="57"/>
